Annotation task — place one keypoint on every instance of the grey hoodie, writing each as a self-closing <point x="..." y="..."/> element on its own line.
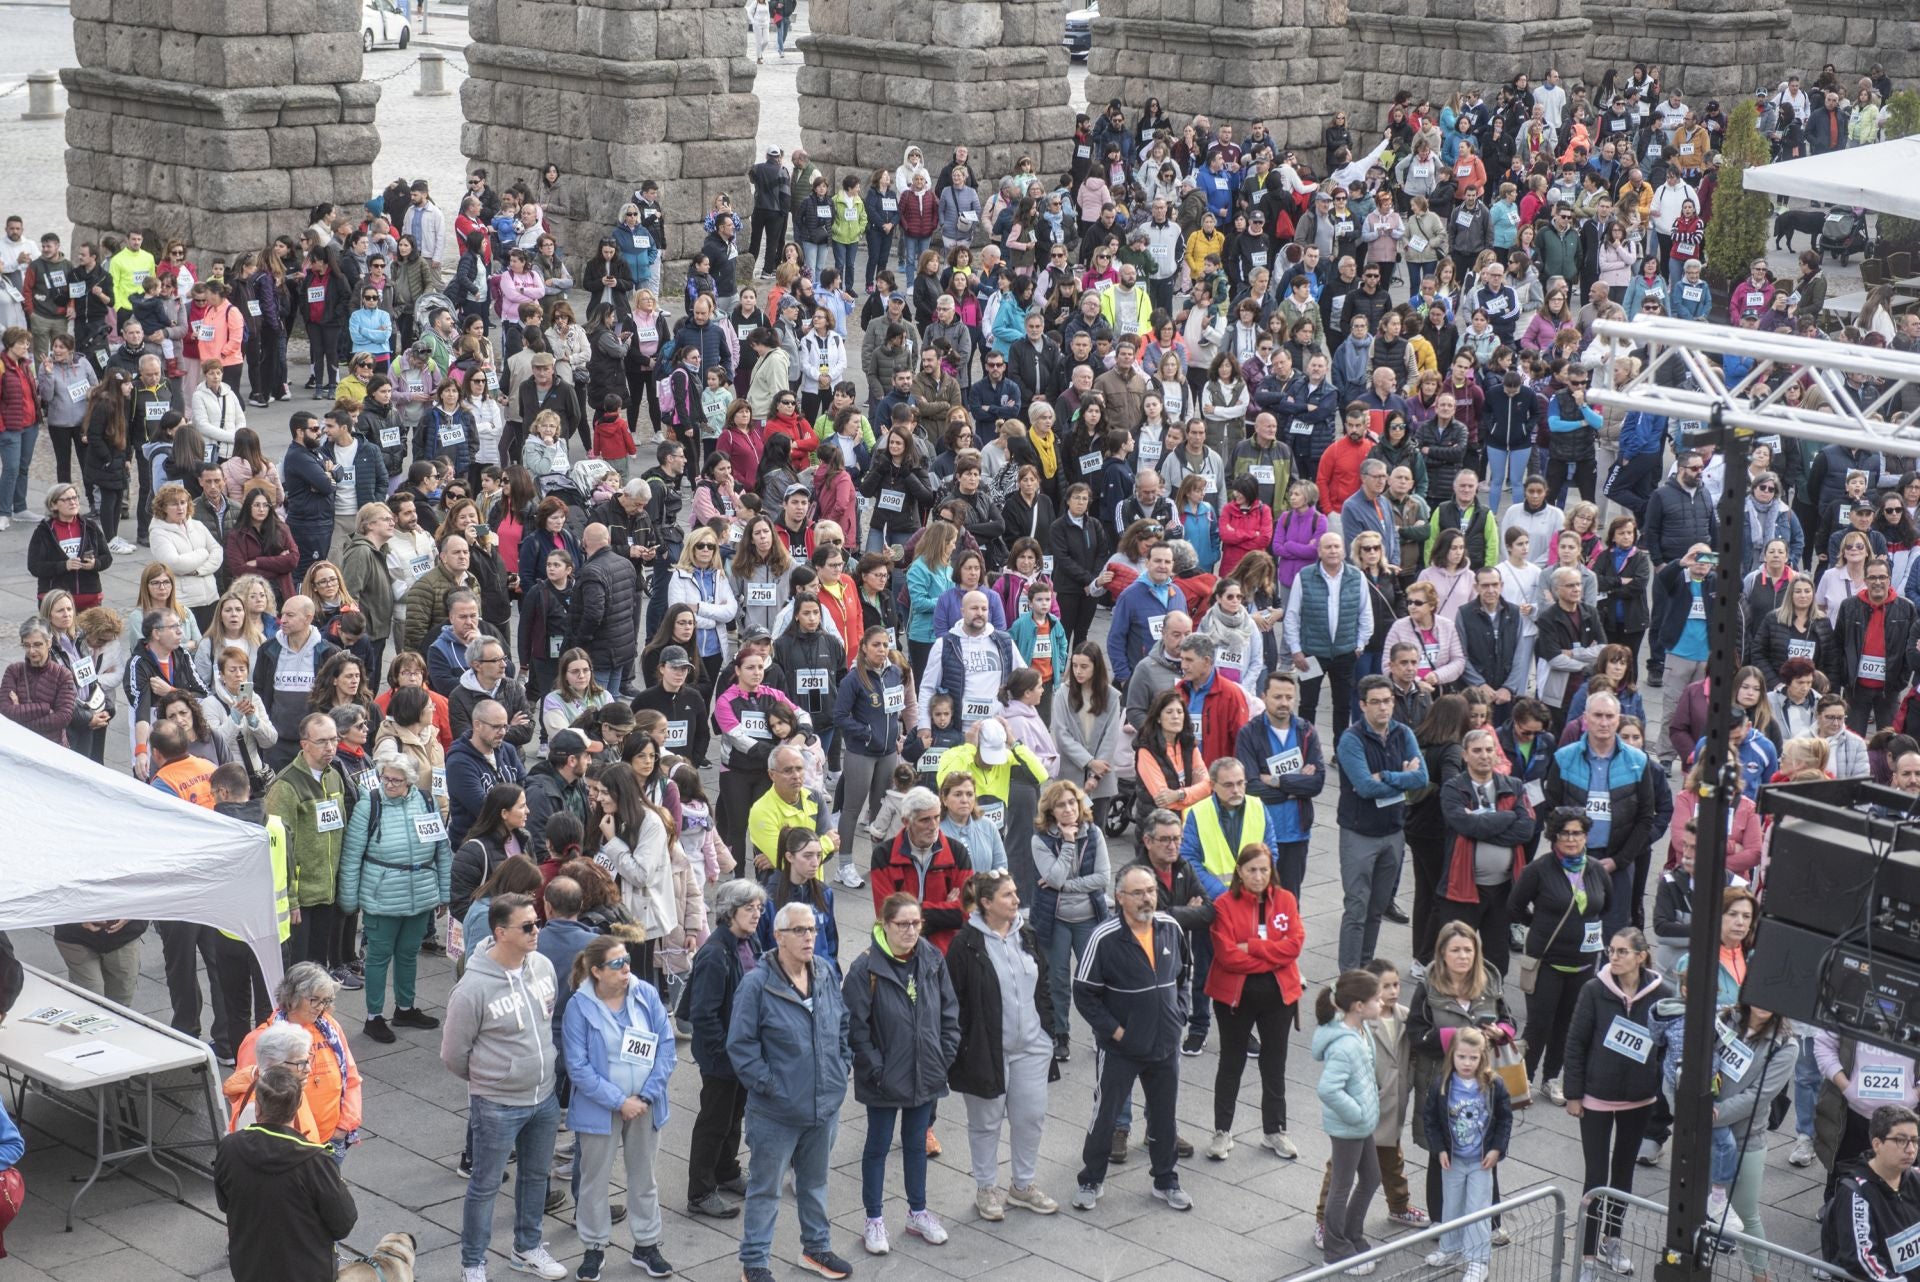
<point x="499" y="1030"/>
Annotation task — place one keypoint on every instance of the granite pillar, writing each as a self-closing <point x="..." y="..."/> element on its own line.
<point x="614" y="94"/>
<point x="222" y="122"/>
<point x="989" y="74"/>
<point x="1234" y="61"/>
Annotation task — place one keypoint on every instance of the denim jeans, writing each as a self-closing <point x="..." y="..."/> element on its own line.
<point x="1726" y="1155"/>
<point x="1465" y="1189"/>
<point x="913" y="1155"/>
<point x="911" y="247"/>
<point x="1505" y="469"/>
<point x="609" y="679"/>
<point x="879" y="246"/>
<point x="817" y="257"/>
<point x="1806" y="1089"/>
<point x="14" y="457"/>
<point x="527" y="1130"/>
<point x="846" y="258"/>
<point x="1066" y="935"/>
<point x="775" y="1146"/>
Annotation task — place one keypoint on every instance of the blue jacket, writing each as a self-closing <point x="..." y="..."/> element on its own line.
<point x="370" y="330"/>
<point x="1349" y="1094"/>
<point x="860" y="711"/>
<point x="12" y="1146"/>
<point x="1289" y="800"/>
<point x="391" y="871"/>
<point x="1642" y="433"/>
<point x="309" y="490"/>
<point x="1202" y="529"/>
<point x="1130" y="637"/>
<point x="1690" y="302"/>
<point x="561" y="940"/>
<point x="446" y="661"/>
<point x="1362" y="755"/>
<point x="792" y="1059"/>
<point x="637" y="246"/>
<point x="584" y="1043"/>
<point x="826" y="943"/>
<point x="711" y="986"/>
<point x="469" y="776"/>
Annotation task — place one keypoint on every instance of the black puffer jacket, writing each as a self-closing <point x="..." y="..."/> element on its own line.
<point x="980" y="1063"/>
<point x="903" y="1025"/>
<point x="608" y="619"/>
<point x="1542" y="896"/>
<point x="1606" y="1071"/>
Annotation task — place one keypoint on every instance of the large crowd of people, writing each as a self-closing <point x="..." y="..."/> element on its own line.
<point x="594" y="634"/>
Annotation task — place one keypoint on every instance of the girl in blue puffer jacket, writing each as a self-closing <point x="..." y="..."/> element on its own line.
<point x="1349" y="1107"/>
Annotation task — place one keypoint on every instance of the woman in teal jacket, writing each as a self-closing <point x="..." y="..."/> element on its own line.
<point x="618" y="1043"/>
<point x="928" y="579"/>
<point x="1349" y="1107"/>
<point x="396" y="867"/>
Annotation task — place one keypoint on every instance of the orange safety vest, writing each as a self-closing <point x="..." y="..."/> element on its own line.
<point x="188" y="777"/>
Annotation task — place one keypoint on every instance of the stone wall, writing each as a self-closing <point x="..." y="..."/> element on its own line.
<point x="1423" y="45"/>
<point x="614" y="94"/>
<point x="1709" y="48"/>
<point x="223" y="139"/>
<point x="1855" y="34"/>
<point x="990" y="74"/>
<point x="1236" y="61"/>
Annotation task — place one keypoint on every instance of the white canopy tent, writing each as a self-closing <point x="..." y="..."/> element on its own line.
<point x="84" y="843"/>
<point x="1877" y="177"/>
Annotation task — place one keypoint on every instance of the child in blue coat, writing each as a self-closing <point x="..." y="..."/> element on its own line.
<point x="1349" y="1107"/>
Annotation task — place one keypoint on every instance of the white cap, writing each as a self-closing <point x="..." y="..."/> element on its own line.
<point x="992" y="746"/>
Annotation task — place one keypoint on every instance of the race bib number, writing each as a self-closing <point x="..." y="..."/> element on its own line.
<point x="638" y="1046"/>
<point x="811" y="681"/>
<point x="761" y="594"/>
<point x="157" y="410"/>
<point x="1698" y="610"/>
<point x="1464" y="218"/>
<point x="995" y="813"/>
<point x="976" y="709"/>
<point x="895" y="700"/>
<point x="326" y="816"/>
<point x="1300" y="427"/>
<point x="1285" y="763"/>
<point x="1083" y="152"/>
<point x="419" y="565"/>
<point x="1213" y="483"/>
<point x="1635" y="1041"/>
<point x="203" y="331"/>
<point x="1590" y="941"/>
<point x="1156" y="625"/>
<point x="1733" y="1056"/>
<point x="1046" y="566"/>
<point x="555" y="644"/>
<point x="316" y="293"/>
<point x="82" y="670"/>
<point x="1883" y="1084"/>
<point x="1150" y="448"/>
<point x="1799" y="649"/>
<point x="754" y="723"/>
<point x="77" y="392"/>
<point x="253" y="306"/>
<point x="439" y="781"/>
<point x="293" y="681"/>
<point x="823" y="211"/>
<point x="1089" y="463"/>
<point x="1653" y="151"/>
<point x="648" y="334"/>
<point x="1903" y="1249"/>
<point x="1229" y="659"/>
<point x="1261" y="472"/>
<point x="71" y="547"/>
<point x="429" y="828"/>
<point x="892" y="500"/>
<point x="76" y="290"/>
<point x="1686" y="149"/>
<point x="453" y="434"/>
<point x="1536" y="792"/>
<point x="930" y="760"/>
<point x="676" y="734"/>
<point x="1417" y="243"/>
<point x="1873" y="667"/>
<point x="1600" y="809"/>
<point x="1390" y="800"/>
<point x="1693" y="293"/>
<point x="888" y="205"/>
<point x="390" y="438"/>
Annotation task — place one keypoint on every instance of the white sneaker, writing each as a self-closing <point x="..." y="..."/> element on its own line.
<point x="926" y="1226"/>
<point x="120" y="547"/>
<point x="1476" y="1272"/>
<point x="849" y="877"/>
<point x="1802" y="1154"/>
<point x="1440" y="1259"/>
<point x="875" y="1238"/>
<point x="1613" y="1254"/>
<point x="1651" y="1151"/>
<point x="539" y="1262"/>
<point x="478" y="1273"/>
<point x="6" y="523"/>
<point x="1361" y="1270"/>
<point x="1280" y="1145"/>
<point x="1220" y="1146"/>
<point x="1722" y="1216"/>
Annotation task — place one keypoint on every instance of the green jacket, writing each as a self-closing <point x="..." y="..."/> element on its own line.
<point x="849" y="220"/>
<point x="296" y="798"/>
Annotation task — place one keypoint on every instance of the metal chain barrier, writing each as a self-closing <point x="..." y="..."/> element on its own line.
<point x="391" y="74"/>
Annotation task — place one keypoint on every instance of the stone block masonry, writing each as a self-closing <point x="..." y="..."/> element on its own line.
<point x="224" y="139"/>
<point x="987" y="74"/>
<point x="614" y="92"/>
<point x="1234" y="61"/>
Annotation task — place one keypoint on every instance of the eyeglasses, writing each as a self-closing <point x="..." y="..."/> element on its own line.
<point x="1621" y="952"/>
<point x="528" y="928"/>
<point x="617" y="963"/>
<point x="1904" y="1141"/>
<point x="1567" y="833"/>
<point x="489" y="725"/>
<point x="804" y="932"/>
<point x="905" y="924"/>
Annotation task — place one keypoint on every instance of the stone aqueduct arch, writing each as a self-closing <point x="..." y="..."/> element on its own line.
<point x="225" y="121"/>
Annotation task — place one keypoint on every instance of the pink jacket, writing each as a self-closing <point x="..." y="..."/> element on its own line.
<point x="1449" y="663"/>
<point x="229" y="335"/>
<point x="1242" y="532"/>
<point x="835" y="501"/>
<point x="1744" y="845"/>
<point x="515" y="290"/>
<point x="1296" y="541"/>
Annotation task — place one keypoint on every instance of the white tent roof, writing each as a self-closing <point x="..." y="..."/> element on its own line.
<point x="1878" y="177"/>
<point x="85" y="843"/>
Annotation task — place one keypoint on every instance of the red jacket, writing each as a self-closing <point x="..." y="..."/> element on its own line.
<point x="919" y="212"/>
<point x="893" y="872"/>
<point x="1339" y="475"/>
<point x="19" y="408"/>
<point x="1236" y="921"/>
<point x="1457" y="880"/>
<point x="612" y="438"/>
<point x="1221" y="716"/>
<point x="1243" y="531"/>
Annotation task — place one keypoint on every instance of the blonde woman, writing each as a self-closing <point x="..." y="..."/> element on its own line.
<point x="157" y="592"/>
<point x="230" y="626"/>
<point x="189" y="550"/>
<point x="700" y="581"/>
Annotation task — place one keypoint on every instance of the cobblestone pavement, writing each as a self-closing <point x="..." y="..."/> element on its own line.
<point x="1252" y="1219"/>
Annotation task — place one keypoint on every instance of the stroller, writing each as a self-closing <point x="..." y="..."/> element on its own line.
<point x="1844" y="233"/>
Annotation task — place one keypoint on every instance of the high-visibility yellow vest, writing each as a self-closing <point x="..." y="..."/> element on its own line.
<point x="282" y="911"/>
<point x="1215" y="853"/>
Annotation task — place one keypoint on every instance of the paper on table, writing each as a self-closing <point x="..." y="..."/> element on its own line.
<point x="101" y="1058"/>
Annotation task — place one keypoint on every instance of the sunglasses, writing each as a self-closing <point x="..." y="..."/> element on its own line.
<point x="617" y="963"/>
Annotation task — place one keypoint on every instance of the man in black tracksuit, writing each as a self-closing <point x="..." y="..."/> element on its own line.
<point x="772" y="199"/>
<point x="1131" y="989"/>
<point x="285" y="1201"/>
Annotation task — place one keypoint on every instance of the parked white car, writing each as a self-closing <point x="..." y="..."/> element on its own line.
<point x="382" y="22"/>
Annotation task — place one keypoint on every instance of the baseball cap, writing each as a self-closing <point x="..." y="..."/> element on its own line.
<point x="755" y="633"/>
<point x="675" y="657"/>
<point x="993" y="742"/>
<point x="797" y="488"/>
<point x="568" y="743"/>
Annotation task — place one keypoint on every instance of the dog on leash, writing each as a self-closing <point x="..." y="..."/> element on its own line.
<point x="1789" y="221"/>
<point x="391" y="1261"/>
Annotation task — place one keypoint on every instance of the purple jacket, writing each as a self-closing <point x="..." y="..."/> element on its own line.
<point x="1296" y="541"/>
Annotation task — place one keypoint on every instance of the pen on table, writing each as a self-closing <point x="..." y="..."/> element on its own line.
<point x="85" y="1054"/>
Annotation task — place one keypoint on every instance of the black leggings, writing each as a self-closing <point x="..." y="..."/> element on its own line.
<point x="1261" y="1006"/>
<point x="1610" y="1141"/>
<point x="1076" y="614"/>
<point x="1549" y="1016"/>
<point x="106" y="510"/>
<point x="66" y="441"/>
